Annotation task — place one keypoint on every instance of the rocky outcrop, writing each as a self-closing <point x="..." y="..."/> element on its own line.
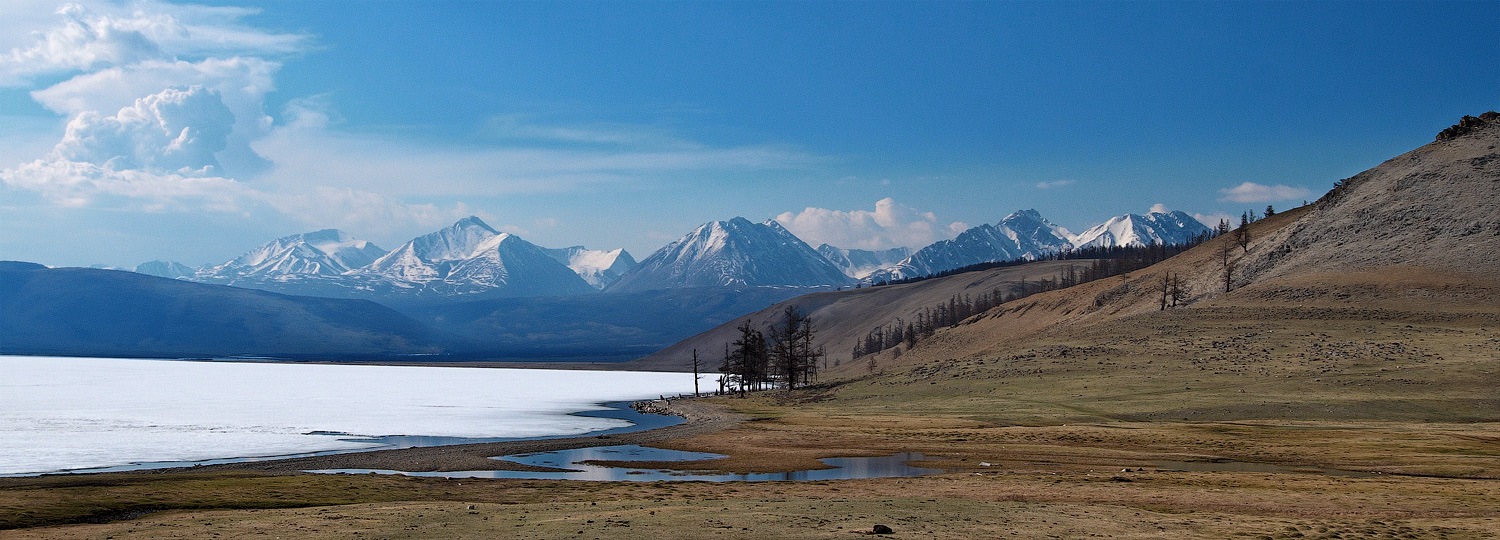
<point x="1467" y="124"/>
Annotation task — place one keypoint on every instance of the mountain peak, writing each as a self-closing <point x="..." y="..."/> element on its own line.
<point x="473" y="222"/>
<point x="1164" y="228"/>
<point x="325" y="252"/>
<point x="1023" y="234"/>
<point x="469" y="257"/>
<point x="600" y="268"/>
<point x="732" y="253"/>
<point x="1028" y="214"/>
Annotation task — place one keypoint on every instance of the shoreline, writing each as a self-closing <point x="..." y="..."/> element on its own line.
<point x="699" y="418"/>
<point x="634" y="412"/>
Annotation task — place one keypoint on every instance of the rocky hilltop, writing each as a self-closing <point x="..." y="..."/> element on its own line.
<point x="1437" y="206"/>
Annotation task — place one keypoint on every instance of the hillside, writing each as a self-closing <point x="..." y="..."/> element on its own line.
<point x="1435" y="207"/>
<point x="842" y="317"/>
<point x="82" y="311"/>
<point x="1380" y="301"/>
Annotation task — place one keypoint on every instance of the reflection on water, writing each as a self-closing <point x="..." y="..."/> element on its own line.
<point x="573" y="463"/>
<point x="1247" y="466"/>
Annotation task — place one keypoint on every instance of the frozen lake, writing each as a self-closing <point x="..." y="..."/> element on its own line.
<point x="61" y="414"/>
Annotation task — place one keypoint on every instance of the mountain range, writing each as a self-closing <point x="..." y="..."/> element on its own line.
<point x="470" y="259"/>
<point x="1160" y="228"/>
<point x="470" y="291"/>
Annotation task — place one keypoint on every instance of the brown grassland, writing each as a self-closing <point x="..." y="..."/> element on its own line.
<point x="1068" y="414"/>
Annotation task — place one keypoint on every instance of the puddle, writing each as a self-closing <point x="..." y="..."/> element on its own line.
<point x="1247" y="466"/>
<point x="573" y="461"/>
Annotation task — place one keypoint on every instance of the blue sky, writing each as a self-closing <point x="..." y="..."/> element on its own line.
<point x="626" y="124"/>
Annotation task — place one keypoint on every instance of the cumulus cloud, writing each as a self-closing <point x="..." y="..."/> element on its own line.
<point x="176" y="130"/>
<point x="1158" y="208"/>
<point x="1251" y="192"/>
<point x="889" y="225"/>
<point x="157" y="154"/>
<point x="1054" y="184"/>
<point x="240" y="82"/>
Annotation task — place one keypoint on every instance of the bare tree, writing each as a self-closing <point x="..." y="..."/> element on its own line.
<point x="695" y="373"/>
<point x="1242" y="234"/>
<point x="1224" y="251"/>
<point x="1180" y="290"/>
<point x="791" y="349"/>
<point x="1166" y="288"/>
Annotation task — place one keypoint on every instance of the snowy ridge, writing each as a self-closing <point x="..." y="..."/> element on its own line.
<point x="166" y="269"/>
<point x="598" y="267"/>
<point x="328" y="252"/>
<point x="733" y="253"/>
<point x="466" y="258"/>
<point x="470" y="257"/>
<point x="1021" y="235"/>
<point x="858" y="263"/>
<point x="1163" y="228"/>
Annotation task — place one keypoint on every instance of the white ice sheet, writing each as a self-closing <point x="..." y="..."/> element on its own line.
<point x="69" y="413"/>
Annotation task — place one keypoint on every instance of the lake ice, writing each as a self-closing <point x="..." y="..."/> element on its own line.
<point x="71" y="413"/>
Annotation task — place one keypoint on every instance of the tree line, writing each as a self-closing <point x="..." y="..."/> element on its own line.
<point x="783" y="357"/>
<point x="1103" y="262"/>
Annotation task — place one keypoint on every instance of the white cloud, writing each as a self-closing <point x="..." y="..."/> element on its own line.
<point x="164" y="108"/>
<point x="306" y="147"/>
<point x="243" y="81"/>
<point x="889" y="225"/>
<point x="240" y="82"/>
<point x="368" y="212"/>
<point x="1054" y="184"/>
<point x="78" y="184"/>
<point x="157" y="154"/>
<point x="111" y="36"/>
<point x="516" y="127"/>
<point x="176" y="130"/>
<point x="1212" y="220"/>
<point x="1158" y="208"/>
<point x="1251" y="192"/>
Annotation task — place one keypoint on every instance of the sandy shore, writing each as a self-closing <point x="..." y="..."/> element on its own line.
<point x="701" y="418"/>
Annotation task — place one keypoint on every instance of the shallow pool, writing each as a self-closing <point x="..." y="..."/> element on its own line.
<point x="575" y="467"/>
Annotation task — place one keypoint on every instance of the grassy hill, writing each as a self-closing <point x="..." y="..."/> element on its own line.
<point x="1379" y="302"/>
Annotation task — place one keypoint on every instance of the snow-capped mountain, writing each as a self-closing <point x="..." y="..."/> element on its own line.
<point x="596" y="266"/>
<point x="469" y="257"/>
<point x="734" y="253"/>
<point x="329" y="252"/>
<point x="1163" y="228"/>
<point x="166" y="269"/>
<point x="858" y="263"/>
<point x="1021" y="235"/>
